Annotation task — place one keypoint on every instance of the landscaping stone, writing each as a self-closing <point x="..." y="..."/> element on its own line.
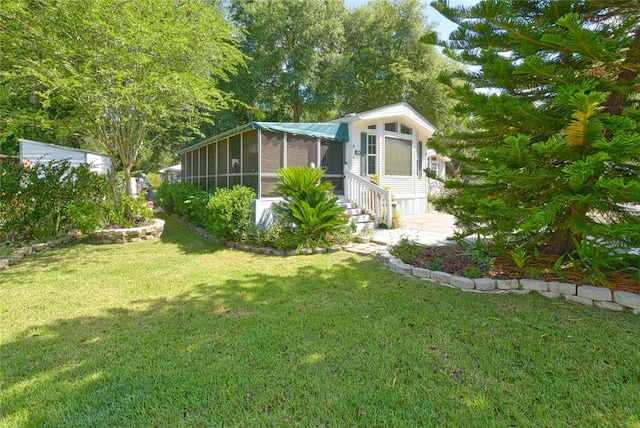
<point x="579" y="299"/>
<point x="507" y="284"/>
<point x="519" y="292"/>
<point x="398" y="266"/>
<point x="485" y="284"/>
<point x="462" y="282"/>
<point x="595" y="293"/>
<point x="472" y="290"/>
<point x="121" y="236"/>
<point x="562" y="287"/>
<point x="421" y="273"/>
<point x="627" y="299"/>
<point x="384" y="257"/>
<point x="39" y="247"/>
<point x="442" y="277"/>
<point x="534" y="285"/>
<point x="551" y="294"/>
<point x="611" y="306"/>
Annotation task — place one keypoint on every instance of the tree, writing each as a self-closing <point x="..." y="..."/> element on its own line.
<point x="292" y="45"/>
<point x="551" y="95"/>
<point x="131" y="70"/>
<point x="385" y="61"/>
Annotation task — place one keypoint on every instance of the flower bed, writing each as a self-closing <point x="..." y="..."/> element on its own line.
<point x="134" y="234"/>
<point x="603" y="297"/>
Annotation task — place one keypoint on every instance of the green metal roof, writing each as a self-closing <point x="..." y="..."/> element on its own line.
<point x="325" y="131"/>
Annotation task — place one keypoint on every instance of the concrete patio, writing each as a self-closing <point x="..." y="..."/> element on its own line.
<point x="427" y="228"/>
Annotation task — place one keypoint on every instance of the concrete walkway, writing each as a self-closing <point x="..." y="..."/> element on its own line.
<point x="428" y="228"/>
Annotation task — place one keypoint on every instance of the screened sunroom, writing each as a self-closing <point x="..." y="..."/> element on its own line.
<point x="252" y="154"/>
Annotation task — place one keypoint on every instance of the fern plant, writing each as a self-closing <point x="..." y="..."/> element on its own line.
<point x="520" y="256"/>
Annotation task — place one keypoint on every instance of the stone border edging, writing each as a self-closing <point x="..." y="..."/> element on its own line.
<point x="589" y="295"/>
<point x="20" y="253"/>
<point x="105" y="236"/>
<point x="133" y="234"/>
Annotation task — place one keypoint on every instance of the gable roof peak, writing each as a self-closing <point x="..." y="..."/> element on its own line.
<point x="401" y="108"/>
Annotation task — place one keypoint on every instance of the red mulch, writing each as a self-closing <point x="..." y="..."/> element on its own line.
<point x="504" y="268"/>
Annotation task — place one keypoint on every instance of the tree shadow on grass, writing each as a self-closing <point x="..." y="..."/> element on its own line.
<point x="66" y="258"/>
<point x="177" y="233"/>
<point x="331" y="339"/>
<point x="193" y="358"/>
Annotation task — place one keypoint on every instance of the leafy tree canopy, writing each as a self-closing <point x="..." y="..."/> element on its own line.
<point x="385" y="61"/>
<point x="292" y="45"/>
<point x="126" y="72"/>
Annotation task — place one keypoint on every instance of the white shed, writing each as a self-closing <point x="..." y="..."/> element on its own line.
<point x="36" y="152"/>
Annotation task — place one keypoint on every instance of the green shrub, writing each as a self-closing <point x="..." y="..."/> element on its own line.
<point x="435" y="264"/>
<point x="36" y="203"/>
<point x="277" y="236"/>
<point x="154" y="179"/>
<point x="89" y="216"/>
<point x="173" y="196"/>
<point x="407" y="250"/>
<point x="396" y="219"/>
<point x="230" y="213"/>
<point x="472" y="272"/>
<point x="195" y="209"/>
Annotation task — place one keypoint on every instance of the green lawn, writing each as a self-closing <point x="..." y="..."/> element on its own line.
<point x="180" y="332"/>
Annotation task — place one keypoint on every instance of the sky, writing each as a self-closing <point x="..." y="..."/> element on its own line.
<point x="445" y="27"/>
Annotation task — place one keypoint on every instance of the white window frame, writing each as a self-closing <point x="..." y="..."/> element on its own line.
<point x="370" y="155"/>
<point x="434" y="162"/>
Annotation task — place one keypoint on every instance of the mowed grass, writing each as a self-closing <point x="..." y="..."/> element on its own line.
<point x="180" y="332"/>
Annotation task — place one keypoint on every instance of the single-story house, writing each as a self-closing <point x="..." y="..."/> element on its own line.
<point x="171" y="174"/>
<point x="36" y="152"/>
<point x="374" y="159"/>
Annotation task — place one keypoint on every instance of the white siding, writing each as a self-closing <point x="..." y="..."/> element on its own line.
<point x="99" y="163"/>
<point x="37" y="152"/>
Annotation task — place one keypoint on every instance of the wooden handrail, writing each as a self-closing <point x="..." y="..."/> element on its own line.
<point x="369" y="196"/>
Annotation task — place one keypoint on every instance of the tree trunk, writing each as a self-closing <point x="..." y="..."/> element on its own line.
<point x="297" y="111"/>
<point x="616" y="102"/>
<point x="561" y="242"/>
<point x="129" y="192"/>
<point x="113" y="184"/>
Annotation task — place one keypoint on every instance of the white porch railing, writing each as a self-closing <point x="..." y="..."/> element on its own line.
<point x="369" y="196"/>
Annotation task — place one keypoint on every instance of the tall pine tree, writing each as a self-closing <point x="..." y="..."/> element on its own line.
<point x="551" y="93"/>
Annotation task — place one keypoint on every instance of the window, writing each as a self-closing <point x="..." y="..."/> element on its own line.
<point x="434" y="166"/>
<point x="397" y="127"/>
<point x="397" y="156"/>
<point x="373" y="127"/>
<point x="372" y="154"/>
<point x="391" y="127"/>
